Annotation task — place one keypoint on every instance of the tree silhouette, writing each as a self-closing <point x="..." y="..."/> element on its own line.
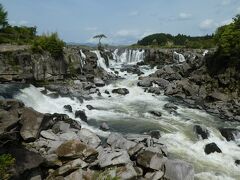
<point x="99" y="37"/>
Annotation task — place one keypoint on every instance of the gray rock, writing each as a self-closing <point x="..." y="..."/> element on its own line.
<point x="77" y="149"/>
<point x="8" y="121"/>
<point x="68" y="136"/>
<point x="99" y="82"/>
<point x="121" y="91"/>
<point x="126" y="172"/>
<point x="69" y="167"/>
<point x="31" y="121"/>
<point x="60" y="127"/>
<point x="151" y="160"/>
<point x="90" y="107"/>
<point x="49" y="135"/>
<point x="76" y="175"/>
<point x="145" y="83"/>
<point x="104" y="126"/>
<point x="179" y="170"/>
<point x="156" y="113"/>
<point x="116" y="140"/>
<point x="109" y="158"/>
<point x="155" y="134"/>
<point x="89" y="138"/>
<point x="155" y="90"/>
<point x="162" y="83"/>
<point x="154" y="175"/>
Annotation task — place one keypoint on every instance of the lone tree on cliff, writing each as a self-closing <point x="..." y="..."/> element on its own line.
<point x="99" y="37"/>
<point x="3" y="17"/>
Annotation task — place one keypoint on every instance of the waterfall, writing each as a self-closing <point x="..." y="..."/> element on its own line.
<point x="82" y="58"/>
<point x="128" y="56"/>
<point x="101" y="62"/>
<point x="177" y="57"/>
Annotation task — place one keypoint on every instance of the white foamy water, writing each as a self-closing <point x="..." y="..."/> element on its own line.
<point x="130" y="114"/>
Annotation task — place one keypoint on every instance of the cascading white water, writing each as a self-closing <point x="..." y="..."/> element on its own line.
<point x="101" y="62"/>
<point x="129" y="56"/>
<point x="178" y="57"/>
<point x="82" y="58"/>
<point x="129" y="114"/>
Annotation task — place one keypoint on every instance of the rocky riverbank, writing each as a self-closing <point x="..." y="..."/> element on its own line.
<point x="54" y="146"/>
<point x="192" y="82"/>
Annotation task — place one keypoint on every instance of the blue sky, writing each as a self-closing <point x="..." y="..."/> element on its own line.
<point x="123" y="21"/>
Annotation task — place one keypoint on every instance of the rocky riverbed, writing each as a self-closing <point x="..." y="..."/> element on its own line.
<point x="115" y="116"/>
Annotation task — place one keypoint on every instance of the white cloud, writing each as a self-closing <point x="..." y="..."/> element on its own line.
<point x="134" y="13"/>
<point x="225" y="2"/>
<point x="207" y="24"/>
<point x="184" y="16"/>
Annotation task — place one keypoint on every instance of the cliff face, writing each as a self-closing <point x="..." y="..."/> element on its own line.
<point x="18" y="63"/>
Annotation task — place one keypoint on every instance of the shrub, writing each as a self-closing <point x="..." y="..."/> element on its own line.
<point x="50" y="43"/>
<point x="6" y="162"/>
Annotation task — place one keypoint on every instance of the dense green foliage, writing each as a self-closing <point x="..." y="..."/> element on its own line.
<point x="228" y="52"/>
<point x="3" y="17"/>
<point x="180" y="40"/>
<point x="51" y="43"/>
<point x="6" y="162"/>
<point x="17" y="35"/>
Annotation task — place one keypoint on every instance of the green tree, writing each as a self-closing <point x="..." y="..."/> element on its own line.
<point x="3" y="17"/>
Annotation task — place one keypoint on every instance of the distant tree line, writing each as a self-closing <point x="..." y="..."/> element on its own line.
<point x="28" y="36"/>
<point x="180" y="40"/>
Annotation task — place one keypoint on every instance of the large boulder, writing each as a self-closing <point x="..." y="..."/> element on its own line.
<point x="68" y="108"/>
<point x="121" y="91"/>
<point x="179" y="170"/>
<point x="99" y="82"/>
<point x="77" y="149"/>
<point x="230" y="134"/>
<point x="162" y="83"/>
<point x="31" y="121"/>
<point x="212" y="148"/>
<point x="151" y="160"/>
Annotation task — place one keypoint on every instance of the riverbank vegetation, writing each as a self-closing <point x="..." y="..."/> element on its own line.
<point x="23" y="35"/>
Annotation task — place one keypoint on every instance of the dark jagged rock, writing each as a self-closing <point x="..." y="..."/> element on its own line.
<point x="237" y="162"/>
<point x="200" y="131"/>
<point x="82" y="115"/>
<point x="90" y="107"/>
<point x="68" y="108"/>
<point x="212" y="148"/>
<point x="230" y="133"/>
<point x="122" y="91"/>
<point x="106" y="92"/>
<point x="155" y="134"/>
<point x="156" y="113"/>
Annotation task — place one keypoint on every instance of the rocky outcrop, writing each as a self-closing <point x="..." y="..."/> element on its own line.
<point x="21" y="64"/>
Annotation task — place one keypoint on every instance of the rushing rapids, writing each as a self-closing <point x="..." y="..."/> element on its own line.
<point x="130" y="114"/>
